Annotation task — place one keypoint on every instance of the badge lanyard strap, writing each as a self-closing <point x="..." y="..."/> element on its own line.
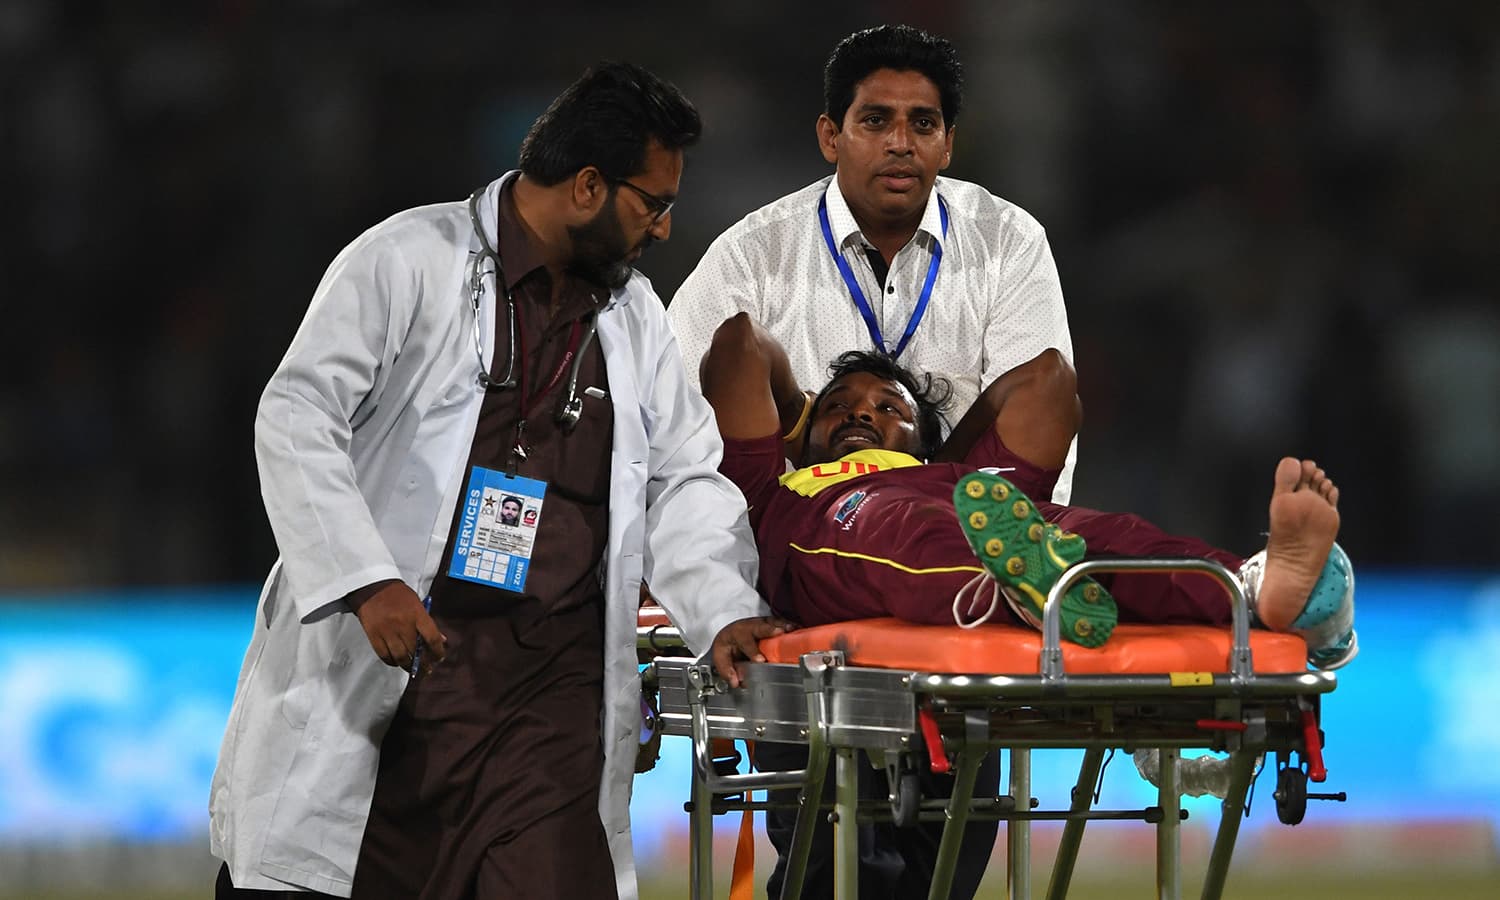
<point x="862" y="304"/>
<point x="519" y="451"/>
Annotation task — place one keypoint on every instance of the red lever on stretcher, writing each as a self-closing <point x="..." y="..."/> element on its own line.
<point x="1221" y="725"/>
<point x="937" y="756"/>
<point x="1314" y="747"/>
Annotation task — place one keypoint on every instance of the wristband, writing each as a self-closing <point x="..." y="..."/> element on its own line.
<point x="796" y="432"/>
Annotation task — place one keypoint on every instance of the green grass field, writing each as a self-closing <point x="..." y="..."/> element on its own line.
<point x="1385" y="861"/>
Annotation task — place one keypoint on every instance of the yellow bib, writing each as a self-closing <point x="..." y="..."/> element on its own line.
<point x="813" y="479"/>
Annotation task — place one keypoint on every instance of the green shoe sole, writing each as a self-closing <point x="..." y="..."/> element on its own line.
<point x="1027" y="554"/>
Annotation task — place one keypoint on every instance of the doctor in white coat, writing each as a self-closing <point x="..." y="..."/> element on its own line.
<point x="363" y="440"/>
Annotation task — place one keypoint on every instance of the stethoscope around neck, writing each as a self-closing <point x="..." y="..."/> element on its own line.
<point x="570" y="410"/>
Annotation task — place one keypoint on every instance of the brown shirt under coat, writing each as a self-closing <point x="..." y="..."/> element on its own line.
<point x="574" y="523"/>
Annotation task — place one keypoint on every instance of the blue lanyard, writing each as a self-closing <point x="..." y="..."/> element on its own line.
<point x="859" y="296"/>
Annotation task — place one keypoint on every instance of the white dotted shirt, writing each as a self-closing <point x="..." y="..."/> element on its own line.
<point x="997" y="301"/>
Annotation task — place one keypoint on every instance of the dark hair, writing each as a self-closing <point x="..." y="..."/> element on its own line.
<point x="933" y="393"/>
<point x="899" y="47"/>
<point x="606" y="119"/>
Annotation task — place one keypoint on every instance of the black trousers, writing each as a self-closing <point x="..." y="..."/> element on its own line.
<point x="894" y="863"/>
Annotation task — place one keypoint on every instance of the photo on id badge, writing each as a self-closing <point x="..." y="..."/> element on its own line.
<point x="498" y="529"/>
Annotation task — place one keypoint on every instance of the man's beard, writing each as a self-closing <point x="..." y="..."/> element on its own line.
<point x="600" y="248"/>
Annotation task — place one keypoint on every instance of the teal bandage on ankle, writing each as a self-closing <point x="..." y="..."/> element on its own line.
<point x="1331" y="595"/>
<point x="1327" y="622"/>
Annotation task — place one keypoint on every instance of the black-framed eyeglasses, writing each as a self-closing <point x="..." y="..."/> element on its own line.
<point x="654" y="204"/>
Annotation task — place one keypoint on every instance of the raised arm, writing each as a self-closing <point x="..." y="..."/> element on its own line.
<point x="1027" y="318"/>
<point x="700" y="559"/>
<point x="748" y="381"/>
<point x="1033" y="407"/>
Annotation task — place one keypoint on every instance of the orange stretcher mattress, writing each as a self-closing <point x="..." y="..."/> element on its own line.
<point x="651" y="616"/>
<point x="1013" y="650"/>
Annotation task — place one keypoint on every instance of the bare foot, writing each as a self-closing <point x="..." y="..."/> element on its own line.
<point x="1304" y="522"/>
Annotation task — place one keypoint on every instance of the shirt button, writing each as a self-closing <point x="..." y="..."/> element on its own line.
<point x="891" y="289"/>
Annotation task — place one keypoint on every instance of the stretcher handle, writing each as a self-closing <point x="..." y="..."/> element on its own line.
<point x="937" y="757"/>
<point x="1240" y="668"/>
<point x="1222" y="725"/>
<point x="1312" y="742"/>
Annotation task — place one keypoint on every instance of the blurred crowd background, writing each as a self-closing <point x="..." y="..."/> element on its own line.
<point x="1276" y="225"/>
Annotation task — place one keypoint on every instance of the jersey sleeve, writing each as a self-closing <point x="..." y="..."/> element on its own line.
<point x="755" y="466"/>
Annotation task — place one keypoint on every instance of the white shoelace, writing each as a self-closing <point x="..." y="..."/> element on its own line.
<point x="970" y="593"/>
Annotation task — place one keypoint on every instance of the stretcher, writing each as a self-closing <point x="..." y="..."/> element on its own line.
<point x="942" y="696"/>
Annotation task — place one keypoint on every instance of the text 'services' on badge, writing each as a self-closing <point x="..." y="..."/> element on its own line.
<point x="497" y="529"/>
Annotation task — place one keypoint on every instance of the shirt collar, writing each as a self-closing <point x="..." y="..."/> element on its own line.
<point x="809" y="481"/>
<point x="841" y="220"/>
<point x="519" y="254"/>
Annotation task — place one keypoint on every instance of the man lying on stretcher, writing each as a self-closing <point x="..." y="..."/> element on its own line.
<point x="864" y="528"/>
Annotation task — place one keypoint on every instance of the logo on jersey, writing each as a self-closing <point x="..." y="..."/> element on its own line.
<point x="851" y="503"/>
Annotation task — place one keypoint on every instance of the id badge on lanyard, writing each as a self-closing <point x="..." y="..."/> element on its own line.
<point x="497" y="531"/>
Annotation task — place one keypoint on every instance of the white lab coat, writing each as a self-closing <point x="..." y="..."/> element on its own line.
<point x="362" y="437"/>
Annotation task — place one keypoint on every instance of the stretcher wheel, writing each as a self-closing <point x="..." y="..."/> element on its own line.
<point x="1291" y="795"/>
<point x="906" y="800"/>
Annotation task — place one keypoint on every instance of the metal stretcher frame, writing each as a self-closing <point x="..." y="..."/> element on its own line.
<point x="838" y="709"/>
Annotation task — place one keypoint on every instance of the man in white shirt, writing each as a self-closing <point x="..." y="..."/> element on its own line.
<point x="938" y="273"/>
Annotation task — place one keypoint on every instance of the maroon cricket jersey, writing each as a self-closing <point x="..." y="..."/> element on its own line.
<point x="875" y="534"/>
<point x="872" y="505"/>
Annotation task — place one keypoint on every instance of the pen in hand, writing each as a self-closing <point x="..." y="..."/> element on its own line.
<point x="416" y="655"/>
